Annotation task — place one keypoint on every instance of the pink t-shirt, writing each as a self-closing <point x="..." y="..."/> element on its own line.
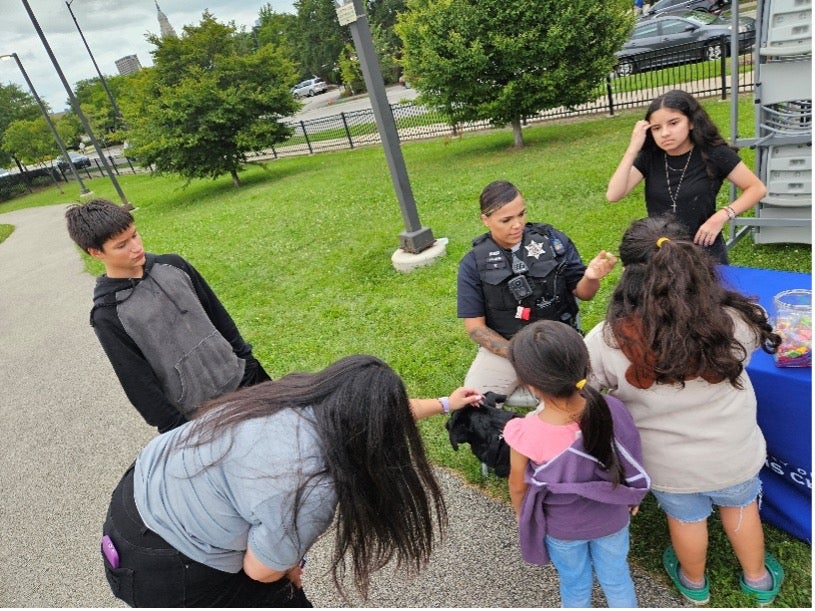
<point x="538" y="440"/>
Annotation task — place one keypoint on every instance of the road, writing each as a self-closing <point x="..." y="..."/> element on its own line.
<point x="329" y="103"/>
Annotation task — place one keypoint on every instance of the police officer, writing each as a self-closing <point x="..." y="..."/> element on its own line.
<point x="515" y="274"/>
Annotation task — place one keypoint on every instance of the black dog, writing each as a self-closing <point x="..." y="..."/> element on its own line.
<point x="482" y="426"/>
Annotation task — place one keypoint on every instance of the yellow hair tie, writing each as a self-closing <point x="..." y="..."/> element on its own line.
<point x="580" y="384"/>
<point x="661" y="241"/>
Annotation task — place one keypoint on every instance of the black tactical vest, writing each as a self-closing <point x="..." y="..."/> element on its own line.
<point x="550" y="299"/>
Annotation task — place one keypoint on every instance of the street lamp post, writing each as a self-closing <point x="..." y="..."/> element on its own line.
<point x="415" y="238"/>
<point x="82" y="189"/>
<point x="77" y="109"/>
<point x="116" y="112"/>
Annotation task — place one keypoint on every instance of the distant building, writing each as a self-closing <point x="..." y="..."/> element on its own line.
<point x="164" y="23"/>
<point x="128" y="65"/>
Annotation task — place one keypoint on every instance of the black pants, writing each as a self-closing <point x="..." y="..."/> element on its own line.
<point x="152" y="573"/>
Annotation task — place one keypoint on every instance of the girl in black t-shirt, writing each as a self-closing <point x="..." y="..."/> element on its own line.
<point x="684" y="160"/>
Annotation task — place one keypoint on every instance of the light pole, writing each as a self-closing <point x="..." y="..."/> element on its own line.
<point x="77" y="109"/>
<point x="117" y="114"/>
<point x="415" y="238"/>
<point x="82" y="189"/>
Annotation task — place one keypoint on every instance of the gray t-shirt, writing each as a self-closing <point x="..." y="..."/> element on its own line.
<point x="211" y="513"/>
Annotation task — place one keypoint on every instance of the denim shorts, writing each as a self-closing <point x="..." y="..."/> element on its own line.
<point x="697" y="506"/>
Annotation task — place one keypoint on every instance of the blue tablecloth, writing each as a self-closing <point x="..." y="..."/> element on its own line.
<point x="784" y="411"/>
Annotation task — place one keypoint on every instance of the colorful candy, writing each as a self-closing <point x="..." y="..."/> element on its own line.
<point x="793" y="323"/>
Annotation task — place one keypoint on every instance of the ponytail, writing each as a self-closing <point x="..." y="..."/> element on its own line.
<point x="597" y="428"/>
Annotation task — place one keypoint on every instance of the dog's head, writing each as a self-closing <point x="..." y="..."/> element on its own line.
<point x="464" y="424"/>
<point x="482" y="427"/>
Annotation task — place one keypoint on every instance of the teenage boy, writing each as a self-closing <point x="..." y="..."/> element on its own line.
<point x="171" y="342"/>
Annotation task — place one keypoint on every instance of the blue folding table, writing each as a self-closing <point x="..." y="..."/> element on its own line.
<point x="784" y="411"/>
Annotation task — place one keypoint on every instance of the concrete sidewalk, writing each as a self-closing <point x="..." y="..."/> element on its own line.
<point x="68" y="432"/>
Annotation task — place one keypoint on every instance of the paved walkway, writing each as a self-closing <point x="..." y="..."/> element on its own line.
<point x="68" y="432"/>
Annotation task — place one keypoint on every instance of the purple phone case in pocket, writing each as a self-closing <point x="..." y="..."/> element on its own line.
<point x="109" y="550"/>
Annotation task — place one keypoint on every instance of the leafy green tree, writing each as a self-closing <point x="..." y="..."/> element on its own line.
<point x="275" y="28"/>
<point x="31" y="141"/>
<point x="70" y="129"/>
<point x="503" y="61"/>
<point x="207" y="102"/>
<point x="15" y="105"/>
<point x="351" y="70"/>
<point x="382" y="15"/>
<point x="97" y="106"/>
<point x="318" y="38"/>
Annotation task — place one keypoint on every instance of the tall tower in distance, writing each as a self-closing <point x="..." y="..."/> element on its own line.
<point x="164" y="23"/>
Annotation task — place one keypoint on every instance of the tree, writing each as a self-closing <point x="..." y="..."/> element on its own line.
<point x="318" y="38"/>
<point x="208" y="101"/>
<point x="15" y="105"/>
<point x="97" y="106"/>
<point x="351" y="70"/>
<point x="31" y="141"/>
<point x="503" y="61"/>
<point x="382" y="15"/>
<point x="275" y="28"/>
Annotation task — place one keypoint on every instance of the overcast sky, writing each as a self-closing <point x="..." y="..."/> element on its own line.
<point x="112" y="29"/>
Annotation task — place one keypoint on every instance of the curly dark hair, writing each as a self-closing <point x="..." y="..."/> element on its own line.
<point x="387" y="494"/>
<point x="669" y="311"/>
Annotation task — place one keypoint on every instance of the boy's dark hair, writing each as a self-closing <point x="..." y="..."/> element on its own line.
<point x="552" y="357"/>
<point x="93" y="223"/>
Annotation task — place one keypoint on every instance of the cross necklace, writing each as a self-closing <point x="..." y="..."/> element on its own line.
<point x="675" y="194"/>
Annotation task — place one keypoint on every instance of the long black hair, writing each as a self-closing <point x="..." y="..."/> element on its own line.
<point x="668" y="311"/>
<point x="551" y="356"/>
<point x="704" y="135"/>
<point x="387" y="495"/>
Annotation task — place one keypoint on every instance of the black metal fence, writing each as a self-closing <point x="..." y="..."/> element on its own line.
<point x="702" y="71"/>
<point x="25" y="181"/>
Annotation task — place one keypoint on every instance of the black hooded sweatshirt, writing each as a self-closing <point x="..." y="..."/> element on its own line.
<point x="171" y="342"/>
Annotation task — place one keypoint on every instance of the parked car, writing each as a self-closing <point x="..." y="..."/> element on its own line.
<point x="680" y="39"/>
<point x="680" y="6"/>
<point x="309" y="87"/>
<point x="79" y="161"/>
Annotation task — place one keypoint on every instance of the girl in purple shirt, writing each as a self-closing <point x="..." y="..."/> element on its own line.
<point x="576" y="470"/>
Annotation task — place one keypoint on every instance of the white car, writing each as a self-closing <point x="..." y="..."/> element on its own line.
<point x="309" y="87"/>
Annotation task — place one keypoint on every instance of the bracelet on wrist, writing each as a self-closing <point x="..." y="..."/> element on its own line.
<point x="731" y="213"/>
<point x="445" y="404"/>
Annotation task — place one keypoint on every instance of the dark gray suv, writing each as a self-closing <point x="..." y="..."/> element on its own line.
<point x="669" y="39"/>
<point x="673" y="6"/>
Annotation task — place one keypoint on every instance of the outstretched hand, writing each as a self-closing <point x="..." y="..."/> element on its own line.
<point x="600" y="266"/>
<point x="463" y="396"/>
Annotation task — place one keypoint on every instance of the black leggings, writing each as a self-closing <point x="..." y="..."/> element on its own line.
<point x="152" y="573"/>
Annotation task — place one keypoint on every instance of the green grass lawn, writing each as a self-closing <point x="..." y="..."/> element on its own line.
<point x="300" y="255"/>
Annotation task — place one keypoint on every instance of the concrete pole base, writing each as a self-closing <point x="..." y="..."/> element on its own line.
<point x="406" y="262"/>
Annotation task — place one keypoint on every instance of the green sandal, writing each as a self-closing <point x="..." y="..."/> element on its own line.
<point x="671" y="564"/>
<point x="765" y="597"/>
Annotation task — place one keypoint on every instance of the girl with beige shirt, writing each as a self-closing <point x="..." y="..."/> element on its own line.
<point x="673" y="348"/>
